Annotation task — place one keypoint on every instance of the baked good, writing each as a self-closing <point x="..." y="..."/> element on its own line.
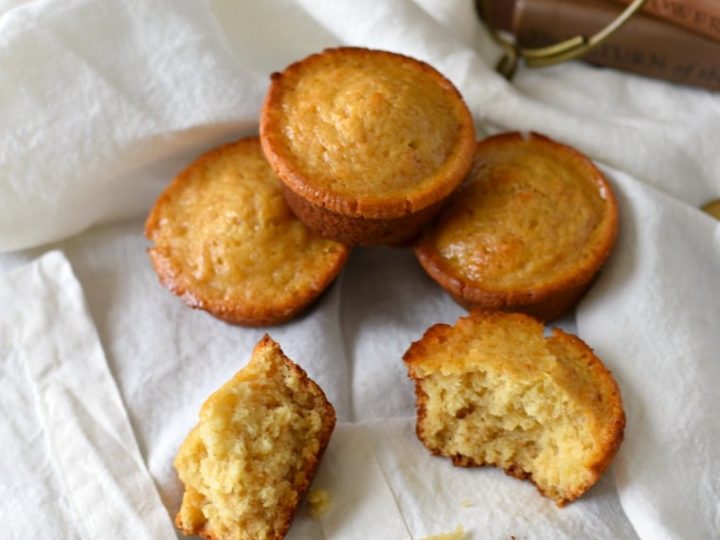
<point x="254" y="452"/>
<point x="492" y="390"/>
<point x="226" y="241"/>
<point x="527" y="232"/>
<point x="367" y="143"/>
<point x="712" y="208"/>
<point x="319" y="501"/>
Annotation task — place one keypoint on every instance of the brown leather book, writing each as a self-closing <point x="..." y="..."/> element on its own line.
<point x="645" y="45"/>
<point x="699" y="16"/>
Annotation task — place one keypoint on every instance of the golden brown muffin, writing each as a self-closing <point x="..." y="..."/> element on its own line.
<point x="251" y="457"/>
<point x="527" y="232"/>
<point x="367" y="143"/>
<point x="492" y="390"/>
<point x="226" y="241"/>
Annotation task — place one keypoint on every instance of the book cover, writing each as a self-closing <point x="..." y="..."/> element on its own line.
<point x="645" y="45"/>
<point x="700" y="16"/>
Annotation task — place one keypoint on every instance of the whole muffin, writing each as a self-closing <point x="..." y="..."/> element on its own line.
<point x="527" y="232"/>
<point x="367" y="143"/>
<point x="225" y="241"/>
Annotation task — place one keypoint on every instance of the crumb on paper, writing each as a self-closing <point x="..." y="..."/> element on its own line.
<point x="457" y="534"/>
<point x="466" y="503"/>
<point x="319" y="500"/>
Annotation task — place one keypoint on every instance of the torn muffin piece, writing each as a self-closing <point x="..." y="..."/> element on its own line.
<point x="248" y="462"/>
<point x="493" y="390"/>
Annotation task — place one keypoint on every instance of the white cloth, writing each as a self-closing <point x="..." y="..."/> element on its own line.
<point x="71" y="467"/>
<point x="660" y="300"/>
<point x="110" y="99"/>
<point x="105" y="97"/>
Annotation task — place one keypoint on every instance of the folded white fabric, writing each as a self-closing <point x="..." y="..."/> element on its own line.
<point x="384" y="484"/>
<point x="105" y="97"/>
<point x="358" y="492"/>
<point x="69" y="463"/>
<point x="654" y="318"/>
<point x="110" y="99"/>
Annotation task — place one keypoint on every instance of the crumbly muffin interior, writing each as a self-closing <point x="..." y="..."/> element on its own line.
<point x="227" y="236"/>
<point x="528" y="214"/>
<point x="252" y="454"/>
<point x="501" y="394"/>
<point x="490" y="419"/>
<point x="370" y="124"/>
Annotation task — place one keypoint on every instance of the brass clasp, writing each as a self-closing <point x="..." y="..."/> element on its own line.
<point x="552" y="54"/>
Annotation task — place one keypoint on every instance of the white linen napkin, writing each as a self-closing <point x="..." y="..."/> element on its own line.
<point x="111" y="99"/>
<point x="105" y="98"/>
<point x="69" y="463"/>
<point x="384" y="484"/>
<point x="654" y="318"/>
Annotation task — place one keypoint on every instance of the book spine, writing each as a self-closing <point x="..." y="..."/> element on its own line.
<point x="645" y="45"/>
<point x="700" y="16"/>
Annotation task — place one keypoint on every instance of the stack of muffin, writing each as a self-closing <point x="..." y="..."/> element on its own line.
<point x="363" y="147"/>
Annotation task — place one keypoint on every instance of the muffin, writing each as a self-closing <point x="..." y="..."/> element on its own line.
<point x="251" y="457"/>
<point x="226" y="242"/>
<point x="367" y="143"/>
<point x="492" y="390"/>
<point x="527" y="232"/>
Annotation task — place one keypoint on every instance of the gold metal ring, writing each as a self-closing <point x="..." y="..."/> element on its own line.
<point x="553" y="54"/>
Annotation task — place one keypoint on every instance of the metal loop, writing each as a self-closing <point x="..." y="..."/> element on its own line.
<point x="568" y="49"/>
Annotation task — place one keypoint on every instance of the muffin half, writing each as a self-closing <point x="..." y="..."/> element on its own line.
<point x="226" y="241"/>
<point x="367" y="143"/>
<point x="527" y="232"/>
<point x="492" y="390"/>
<point x="251" y="457"/>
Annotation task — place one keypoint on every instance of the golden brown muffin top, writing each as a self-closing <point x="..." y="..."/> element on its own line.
<point x="226" y="241"/>
<point x="484" y="339"/>
<point x="534" y="214"/>
<point x="366" y="132"/>
<point x="514" y="344"/>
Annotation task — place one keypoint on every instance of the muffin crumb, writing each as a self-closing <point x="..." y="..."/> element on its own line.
<point x="457" y="534"/>
<point x="320" y="501"/>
